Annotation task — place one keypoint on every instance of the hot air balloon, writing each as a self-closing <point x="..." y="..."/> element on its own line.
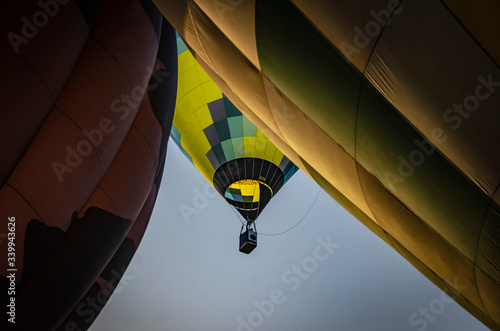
<point x="391" y="106"/>
<point x="87" y="99"/>
<point x="235" y="156"/>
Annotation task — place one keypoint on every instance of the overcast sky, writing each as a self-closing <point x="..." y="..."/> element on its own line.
<point x="328" y="273"/>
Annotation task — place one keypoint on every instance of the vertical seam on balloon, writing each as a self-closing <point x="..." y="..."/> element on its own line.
<point x="141" y="133"/>
<point x="357" y="164"/>
<point x="484" y="220"/>
<point x="360" y="90"/>
<point x="487" y="312"/>
<point x="282" y="136"/>
<point x="27" y="202"/>
<point x="28" y="65"/>
<point x="262" y="76"/>
<point x="490" y="206"/>
<point x="466" y="176"/>
<point x="211" y="64"/>
<point x="363" y="80"/>
<point x="368" y="60"/>
<point x="49" y="111"/>
<point x="193" y="2"/>
<point x="105" y="193"/>
<point x="125" y="73"/>
<point x="475" y="268"/>
<point x="445" y="240"/>
<point x="292" y="2"/>
<point x="189" y="4"/>
<point x="84" y="137"/>
<point x="393" y="240"/>
<point x="118" y="212"/>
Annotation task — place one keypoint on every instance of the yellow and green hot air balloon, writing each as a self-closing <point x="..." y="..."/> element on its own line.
<point x="243" y="165"/>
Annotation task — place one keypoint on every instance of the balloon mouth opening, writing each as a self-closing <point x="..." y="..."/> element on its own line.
<point x="248" y="184"/>
<point x="246" y="191"/>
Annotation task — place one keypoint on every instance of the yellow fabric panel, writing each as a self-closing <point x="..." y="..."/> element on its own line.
<point x="202" y="75"/>
<point x="196" y="147"/>
<point x="182" y="112"/>
<point x="181" y="92"/>
<point x="195" y="90"/>
<point x="196" y="97"/>
<point x="249" y="146"/>
<point x="206" y="169"/>
<point x="192" y="114"/>
<point x="189" y="79"/>
<point x="204" y="117"/>
<point x="189" y="132"/>
<point x="249" y="188"/>
<point x="246" y="187"/>
<point x="185" y="61"/>
<point x="260" y="147"/>
<point x="235" y="185"/>
<point x="211" y="91"/>
<point x="270" y="152"/>
<point x="278" y="157"/>
<point x="202" y="142"/>
<point x="260" y="133"/>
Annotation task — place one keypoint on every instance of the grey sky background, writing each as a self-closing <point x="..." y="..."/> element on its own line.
<point x="189" y="275"/>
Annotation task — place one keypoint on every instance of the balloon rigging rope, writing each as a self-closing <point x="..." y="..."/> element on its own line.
<point x="293" y="227"/>
<point x="237" y="215"/>
<point x="300" y="221"/>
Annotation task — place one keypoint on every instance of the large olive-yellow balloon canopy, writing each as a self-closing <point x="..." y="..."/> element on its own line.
<point x="391" y="106"/>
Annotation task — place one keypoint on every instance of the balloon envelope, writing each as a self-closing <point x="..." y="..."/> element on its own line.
<point x="87" y="105"/>
<point x="235" y="156"/>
